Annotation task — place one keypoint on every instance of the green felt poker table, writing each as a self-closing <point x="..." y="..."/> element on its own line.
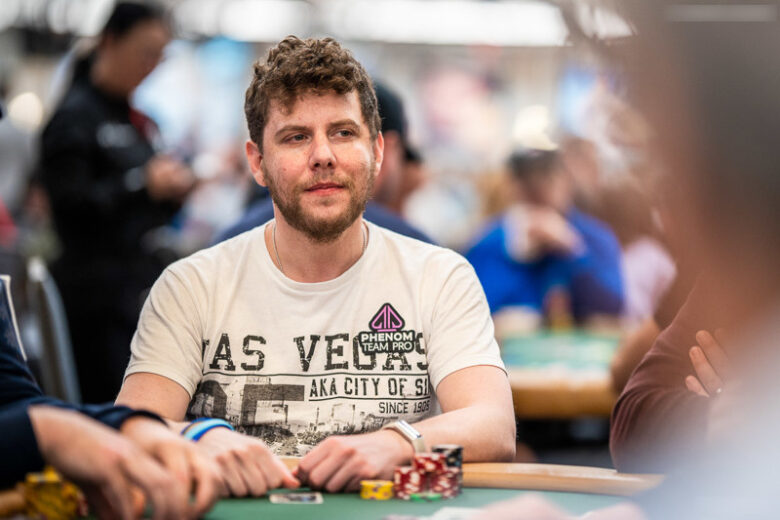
<point x="560" y="375"/>
<point x="576" y="489"/>
<point x="349" y="506"/>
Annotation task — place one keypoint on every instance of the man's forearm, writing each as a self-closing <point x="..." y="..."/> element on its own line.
<point x="487" y="433"/>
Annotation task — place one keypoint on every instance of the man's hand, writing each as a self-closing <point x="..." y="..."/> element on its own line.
<point x="710" y="364"/>
<point x="193" y="470"/>
<point x="168" y="179"/>
<point x="106" y="466"/>
<point x="247" y="465"/>
<point x="548" y="230"/>
<point x="339" y="463"/>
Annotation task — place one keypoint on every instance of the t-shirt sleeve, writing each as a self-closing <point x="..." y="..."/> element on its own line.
<point x="461" y="332"/>
<point x="168" y="339"/>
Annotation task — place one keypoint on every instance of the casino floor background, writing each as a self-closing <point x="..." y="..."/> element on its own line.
<point x="488" y="78"/>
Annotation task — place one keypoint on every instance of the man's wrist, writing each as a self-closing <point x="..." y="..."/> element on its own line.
<point x="405" y="449"/>
<point x="199" y="427"/>
<point x="407" y="432"/>
<point x="142" y="417"/>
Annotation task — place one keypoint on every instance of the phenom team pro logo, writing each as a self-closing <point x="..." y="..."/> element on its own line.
<point x="387" y="334"/>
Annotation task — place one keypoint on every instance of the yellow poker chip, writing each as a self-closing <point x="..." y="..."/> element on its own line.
<point x="47" y="496"/>
<point x="48" y="476"/>
<point x="376" y="489"/>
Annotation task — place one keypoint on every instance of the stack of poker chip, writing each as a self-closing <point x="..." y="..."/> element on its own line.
<point x="432" y="475"/>
<point x="408" y="481"/>
<point x="453" y="455"/>
<point x="376" y="489"/>
<point x="429" y="464"/>
<point x="447" y="483"/>
<point x="48" y="496"/>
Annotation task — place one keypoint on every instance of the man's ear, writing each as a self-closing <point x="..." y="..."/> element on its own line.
<point x="255" y="159"/>
<point x="379" y="150"/>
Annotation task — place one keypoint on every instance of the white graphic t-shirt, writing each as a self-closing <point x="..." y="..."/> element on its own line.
<point x="293" y="362"/>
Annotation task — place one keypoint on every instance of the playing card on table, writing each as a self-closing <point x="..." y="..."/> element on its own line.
<point x="296" y="497"/>
<point x="454" y="513"/>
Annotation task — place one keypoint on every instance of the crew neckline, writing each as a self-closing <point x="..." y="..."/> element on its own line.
<point x="328" y="285"/>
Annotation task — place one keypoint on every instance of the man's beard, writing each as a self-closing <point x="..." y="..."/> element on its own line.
<point x="320" y="229"/>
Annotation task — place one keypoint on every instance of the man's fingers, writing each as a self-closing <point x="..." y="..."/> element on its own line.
<point x="344" y="474"/>
<point x="693" y="384"/>
<point x="253" y="476"/>
<point x="116" y="492"/>
<point x="100" y="505"/>
<point x="286" y="478"/>
<point x="704" y="371"/>
<point x="714" y="352"/>
<point x="322" y="473"/>
<point x="208" y="486"/>
<point x="231" y="473"/>
<point x="177" y="463"/>
<point x="353" y="484"/>
<point x="311" y="460"/>
<point x="168" y="497"/>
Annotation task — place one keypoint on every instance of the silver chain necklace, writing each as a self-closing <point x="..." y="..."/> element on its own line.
<point x="279" y="260"/>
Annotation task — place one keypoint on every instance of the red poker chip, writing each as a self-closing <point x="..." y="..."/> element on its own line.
<point x="429" y="462"/>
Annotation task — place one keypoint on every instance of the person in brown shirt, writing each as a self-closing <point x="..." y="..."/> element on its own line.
<point x="656" y="412"/>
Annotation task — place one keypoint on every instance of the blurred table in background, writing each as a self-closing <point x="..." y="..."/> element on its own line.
<point x="560" y="375"/>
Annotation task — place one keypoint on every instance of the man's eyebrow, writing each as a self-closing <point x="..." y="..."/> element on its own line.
<point x="290" y="128"/>
<point x="344" y="122"/>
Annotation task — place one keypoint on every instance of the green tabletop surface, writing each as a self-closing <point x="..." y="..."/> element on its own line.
<point x="351" y="506"/>
<point x="575" y="350"/>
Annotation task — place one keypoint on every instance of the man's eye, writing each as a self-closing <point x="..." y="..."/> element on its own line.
<point x="345" y="133"/>
<point x="297" y="138"/>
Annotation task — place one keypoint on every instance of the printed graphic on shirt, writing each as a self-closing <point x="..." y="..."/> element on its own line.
<point x="328" y="384"/>
<point x="386" y="334"/>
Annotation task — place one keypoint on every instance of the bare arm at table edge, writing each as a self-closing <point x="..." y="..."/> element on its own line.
<point x="247" y="465"/>
<point x="476" y="403"/>
<point x="477" y="414"/>
<point x="158" y="394"/>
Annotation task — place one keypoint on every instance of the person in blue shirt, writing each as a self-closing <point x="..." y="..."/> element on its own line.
<point x="543" y="252"/>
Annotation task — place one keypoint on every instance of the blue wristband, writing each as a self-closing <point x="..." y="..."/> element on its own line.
<point x="190" y="424"/>
<point x="198" y="428"/>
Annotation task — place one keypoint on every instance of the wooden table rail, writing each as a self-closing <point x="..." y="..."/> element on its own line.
<point x="557" y="477"/>
<point x="549" y="477"/>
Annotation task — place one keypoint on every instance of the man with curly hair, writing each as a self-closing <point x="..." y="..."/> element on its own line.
<point x="320" y="334"/>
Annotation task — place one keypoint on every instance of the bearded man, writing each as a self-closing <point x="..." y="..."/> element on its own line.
<point x="319" y="334"/>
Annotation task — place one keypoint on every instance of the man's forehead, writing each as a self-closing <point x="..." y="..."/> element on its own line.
<point x="309" y="103"/>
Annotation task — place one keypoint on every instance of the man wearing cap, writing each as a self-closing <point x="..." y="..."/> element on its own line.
<point x="389" y="185"/>
<point x="319" y="333"/>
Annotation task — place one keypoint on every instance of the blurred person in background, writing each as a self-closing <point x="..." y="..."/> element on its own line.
<point x="706" y="76"/>
<point x="16" y="149"/>
<point x="396" y="178"/>
<point x="626" y="203"/>
<point x="543" y="254"/>
<point x="108" y="188"/>
<point x="630" y="205"/>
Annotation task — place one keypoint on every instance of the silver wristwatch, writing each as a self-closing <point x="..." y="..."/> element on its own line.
<point x="414" y="437"/>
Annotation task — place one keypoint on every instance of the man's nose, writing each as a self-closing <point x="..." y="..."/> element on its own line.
<point x="322" y="154"/>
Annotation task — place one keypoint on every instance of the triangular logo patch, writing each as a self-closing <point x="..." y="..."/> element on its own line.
<point x="386" y="319"/>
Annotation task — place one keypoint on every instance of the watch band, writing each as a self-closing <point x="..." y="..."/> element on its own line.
<point x="414" y="437"/>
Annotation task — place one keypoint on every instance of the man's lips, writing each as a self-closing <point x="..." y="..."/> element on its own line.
<point x="324" y="187"/>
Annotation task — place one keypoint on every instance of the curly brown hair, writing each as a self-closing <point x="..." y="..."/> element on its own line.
<point x="295" y="67"/>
